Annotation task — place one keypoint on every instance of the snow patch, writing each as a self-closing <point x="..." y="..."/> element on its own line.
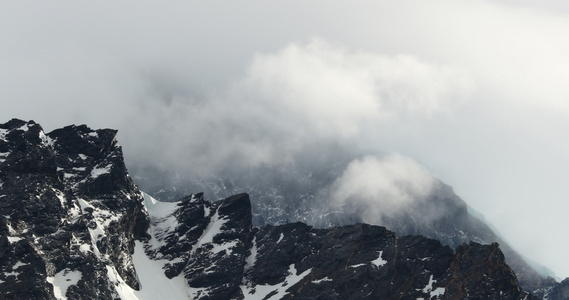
<point x="96" y="172"/>
<point x="24" y="127"/>
<point x="11" y="229"/>
<point x="85" y="248"/>
<point x="357" y="266"/>
<point x="102" y="219"/>
<point x="124" y="291"/>
<point x="429" y="285"/>
<point x="438" y="292"/>
<point x="158" y="209"/>
<point x="60" y="196"/>
<point x="278" y="291"/>
<point x="17" y="265"/>
<point x="322" y="280"/>
<point x="162" y="219"/>
<point x="62" y="281"/>
<point x="154" y="284"/>
<point x="252" y="258"/>
<point x="206" y="211"/>
<point x="212" y="229"/>
<point x="44" y="138"/>
<point x="429" y="289"/>
<point x="280" y="238"/>
<point x="74" y="212"/>
<point x="3" y="134"/>
<point x="6" y="274"/>
<point x="14" y="239"/>
<point x="224" y="247"/>
<point x="378" y="262"/>
<point x="196" y="292"/>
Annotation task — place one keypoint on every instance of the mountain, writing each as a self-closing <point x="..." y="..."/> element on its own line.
<point x="301" y="193"/>
<point x="69" y="213"/>
<point x="224" y="257"/>
<point x="73" y="225"/>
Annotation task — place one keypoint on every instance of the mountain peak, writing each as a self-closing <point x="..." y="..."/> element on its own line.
<point x="68" y="207"/>
<point x="74" y="226"/>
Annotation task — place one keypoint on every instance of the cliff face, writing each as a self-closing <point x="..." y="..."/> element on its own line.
<point x="68" y="212"/>
<point x="74" y="226"/>
<point x="224" y="257"/>
<point x="301" y="193"/>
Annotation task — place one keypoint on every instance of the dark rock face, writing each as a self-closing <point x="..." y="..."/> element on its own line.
<point x="282" y="196"/>
<point x="68" y="211"/>
<point x="559" y="291"/>
<point x="224" y="257"/>
<point x="470" y="269"/>
<point x="209" y="244"/>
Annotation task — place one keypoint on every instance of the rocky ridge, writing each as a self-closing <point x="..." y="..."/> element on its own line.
<point x="301" y="194"/>
<point x="69" y="213"/>
<point x="222" y="256"/>
<point x="74" y="226"/>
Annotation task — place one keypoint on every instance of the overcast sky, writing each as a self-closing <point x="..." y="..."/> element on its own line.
<point x="475" y="91"/>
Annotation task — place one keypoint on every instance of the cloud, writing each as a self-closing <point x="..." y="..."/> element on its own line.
<point x="335" y="91"/>
<point x="288" y="101"/>
<point x="383" y="186"/>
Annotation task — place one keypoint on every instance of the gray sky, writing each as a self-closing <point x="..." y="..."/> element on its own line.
<point x="475" y="91"/>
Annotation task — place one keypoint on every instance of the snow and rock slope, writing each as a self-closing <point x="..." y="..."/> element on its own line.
<point x="302" y="193"/>
<point x="69" y="213"/>
<point x="74" y="226"/>
<point x="222" y="256"/>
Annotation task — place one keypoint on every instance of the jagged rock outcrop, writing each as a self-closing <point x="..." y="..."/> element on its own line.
<point x="558" y="291"/>
<point x="224" y="257"/>
<point x="280" y="195"/>
<point x="208" y="245"/>
<point x="68" y="212"/>
<point x="301" y="194"/>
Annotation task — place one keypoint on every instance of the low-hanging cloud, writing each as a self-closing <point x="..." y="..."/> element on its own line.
<point x="334" y="91"/>
<point x="383" y="186"/>
<point x="302" y="95"/>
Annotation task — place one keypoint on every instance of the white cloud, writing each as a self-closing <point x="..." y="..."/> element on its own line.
<point x="298" y="96"/>
<point x="334" y="91"/>
<point x="383" y="185"/>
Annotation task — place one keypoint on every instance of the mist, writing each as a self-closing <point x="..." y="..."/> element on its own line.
<point x="291" y="101"/>
<point x="472" y="93"/>
<point x="385" y="186"/>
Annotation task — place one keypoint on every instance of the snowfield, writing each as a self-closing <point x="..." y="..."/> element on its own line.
<point x="154" y="284"/>
<point x="62" y="281"/>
